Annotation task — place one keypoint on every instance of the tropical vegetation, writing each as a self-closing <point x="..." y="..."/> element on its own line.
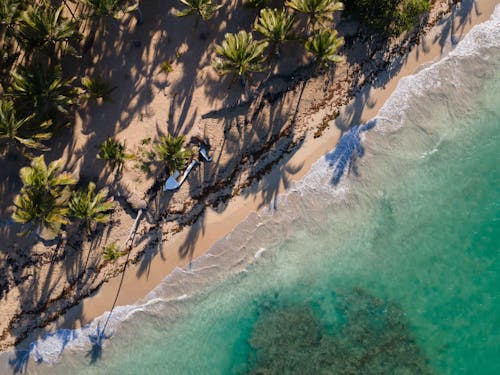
<point x="42" y="202"/>
<point x="387" y="16"/>
<point x="114" y="153"/>
<point x="14" y="132"/>
<point x="91" y="207"/>
<point x="276" y="26"/>
<point x="108" y="8"/>
<point x="44" y="28"/>
<point x="324" y="46"/>
<point x="44" y="92"/>
<point x="97" y="88"/>
<point x="111" y="252"/>
<point x="204" y="9"/>
<point x="171" y="151"/>
<point x="239" y="54"/>
<point x="319" y="12"/>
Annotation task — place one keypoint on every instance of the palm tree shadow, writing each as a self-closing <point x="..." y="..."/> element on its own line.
<point x="196" y="230"/>
<point x="19" y="363"/>
<point x="348" y="150"/>
<point x="97" y="340"/>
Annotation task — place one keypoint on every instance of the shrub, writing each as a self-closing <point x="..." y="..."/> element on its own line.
<point x="387" y="16"/>
<point x="113" y="152"/>
<point x="97" y="88"/>
<point x="112" y="252"/>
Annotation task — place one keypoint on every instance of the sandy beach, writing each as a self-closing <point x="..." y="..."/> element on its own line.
<point x="171" y="243"/>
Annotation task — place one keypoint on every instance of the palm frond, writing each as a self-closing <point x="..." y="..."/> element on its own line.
<point x="97" y="88"/>
<point x="9" y="11"/>
<point x="239" y="54"/>
<point x="44" y="92"/>
<point x="172" y="152"/>
<point x="91" y="207"/>
<point x="109" y="8"/>
<point x="43" y="199"/>
<point x="276" y="25"/>
<point x="41" y="26"/>
<point x="114" y="153"/>
<point x="324" y="46"/>
<point x="205" y="9"/>
<point x="15" y="132"/>
<point x="319" y="12"/>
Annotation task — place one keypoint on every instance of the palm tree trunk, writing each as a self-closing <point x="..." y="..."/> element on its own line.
<point x="69" y="9"/>
<point x="131" y="236"/>
<point x="244" y="86"/>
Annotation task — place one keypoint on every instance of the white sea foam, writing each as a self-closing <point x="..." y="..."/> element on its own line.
<point x="259" y="253"/>
<point x="394" y="111"/>
<point x="233" y="254"/>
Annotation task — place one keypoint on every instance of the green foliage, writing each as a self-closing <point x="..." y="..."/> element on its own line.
<point x="144" y="156"/>
<point x="44" y="92"/>
<point x="13" y="132"/>
<point x="319" y="12"/>
<point x="205" y="9"/>
<point x="42" y="27"/>
<point x="324" y="46"/>
<point x="410" y="13"/>
<point x="113" y="152"/>
<point x="9" y="11"/>
<point x="239" y="54"/>
<point x="43" y="199"/>
<point x="166" y="67"/>
<point x="388" y="16"/>
<point x="256" y="4"/>
<point x="108" y="8"/>
<point x="111" y="252"/>
<point x="97" y="88"/>
<point x="172" y="152"/>
<point x="276" y="25"/>
<point x="91" y="207"/>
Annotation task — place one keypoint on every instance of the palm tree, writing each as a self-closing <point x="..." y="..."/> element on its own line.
<point x="44" y="92"/>
<point x="276" y="25"/>
<point x="9" y="11"/>
<point x="256" y="4"/>
<point x="239" y="54"/>
<point x="11" y="129"/>
<point x="97" y="88"/>
<point x="172" y="152"/>
<point x="91" y="207"/>
<point x="8" y="56"/>
<point x="108" y="8"/>
<point x="324" y="46"/>
<point x="42" y="27"/>
<point x="319" y="12"/>
<point x="43" y="200"/>
<point x="113" y="152"/>
<point x="205" y="9"/>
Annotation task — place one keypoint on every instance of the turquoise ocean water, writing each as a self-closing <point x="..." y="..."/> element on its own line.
<point x="394" y="270"/>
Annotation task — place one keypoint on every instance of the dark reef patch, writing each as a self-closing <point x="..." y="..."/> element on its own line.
<point x="348" y="333"/>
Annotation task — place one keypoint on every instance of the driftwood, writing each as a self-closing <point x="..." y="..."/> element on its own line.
<point x="133" y="230"/>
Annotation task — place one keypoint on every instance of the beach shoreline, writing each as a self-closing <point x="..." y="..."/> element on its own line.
<point x="214" y="225"/>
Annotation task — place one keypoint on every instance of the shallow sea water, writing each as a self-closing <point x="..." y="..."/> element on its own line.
<point x="394" y="270"/>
